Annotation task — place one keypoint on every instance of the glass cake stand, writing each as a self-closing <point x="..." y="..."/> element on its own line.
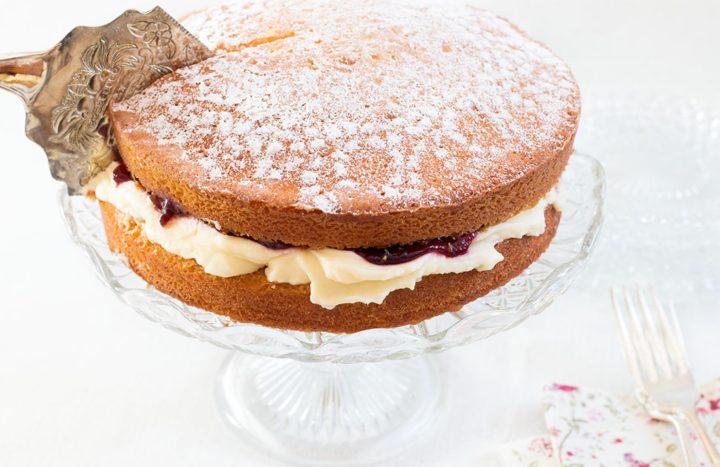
<point x="317" y="398"/>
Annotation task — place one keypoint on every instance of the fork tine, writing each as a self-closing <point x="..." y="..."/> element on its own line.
<point x="657" y="339"/>
<point x="673" y="336"/>
<point x="640" y="339"/>
<point x="679" y="340"/>
<point x="631" y="355"/>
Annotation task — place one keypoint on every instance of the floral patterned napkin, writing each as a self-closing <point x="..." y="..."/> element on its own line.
<point x="592" y="428"/>
<point x="536" y="451"/>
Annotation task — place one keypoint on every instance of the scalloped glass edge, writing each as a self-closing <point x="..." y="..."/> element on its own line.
<point x="583" y="184"/>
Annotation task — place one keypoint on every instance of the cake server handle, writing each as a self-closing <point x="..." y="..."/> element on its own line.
<point x="21" y="74"/>
<point x="68" y="89"/>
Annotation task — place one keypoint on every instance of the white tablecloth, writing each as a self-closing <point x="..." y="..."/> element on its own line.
<point x="84" y="381"/>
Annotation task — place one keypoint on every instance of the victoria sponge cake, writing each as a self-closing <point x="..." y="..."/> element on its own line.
<point x="338" y="166"/>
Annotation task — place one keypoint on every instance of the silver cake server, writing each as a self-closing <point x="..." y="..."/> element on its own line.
<point x="67" y="89"/>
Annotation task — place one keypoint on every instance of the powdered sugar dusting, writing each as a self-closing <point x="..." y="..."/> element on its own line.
<point x="359" y="105"/>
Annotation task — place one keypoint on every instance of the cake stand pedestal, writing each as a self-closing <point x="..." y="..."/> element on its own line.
<point x="328" y="413"/>
<point x="317" y="398"/>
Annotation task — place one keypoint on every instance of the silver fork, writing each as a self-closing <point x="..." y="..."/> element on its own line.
<point x="658" y="361"/>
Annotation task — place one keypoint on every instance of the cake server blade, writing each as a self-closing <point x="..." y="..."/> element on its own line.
<point x="67" y="89"/>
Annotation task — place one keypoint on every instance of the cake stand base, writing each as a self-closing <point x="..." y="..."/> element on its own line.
<point x="329" y="413"/>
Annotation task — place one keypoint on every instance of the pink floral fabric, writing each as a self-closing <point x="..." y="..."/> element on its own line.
<point x="530" y="452"/>
<point x="592" y="428"/>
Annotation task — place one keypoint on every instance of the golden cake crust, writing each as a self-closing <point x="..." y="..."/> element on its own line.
<point x="353" y="124"/>
<point x="252" y="298"/>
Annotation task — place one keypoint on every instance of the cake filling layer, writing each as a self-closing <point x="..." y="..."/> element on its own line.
<point x="334" y="276"/>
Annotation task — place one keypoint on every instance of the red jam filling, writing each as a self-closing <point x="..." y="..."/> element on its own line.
<point x="398" y="254"/>
<point x="168" y="208"/>
<point x="275" y="245"/>
<point x="121" y="174"/>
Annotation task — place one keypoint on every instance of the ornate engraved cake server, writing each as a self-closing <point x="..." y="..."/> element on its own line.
<point x="67" y="89"/>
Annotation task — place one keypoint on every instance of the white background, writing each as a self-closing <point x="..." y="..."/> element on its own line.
<point x="84" y="381"/>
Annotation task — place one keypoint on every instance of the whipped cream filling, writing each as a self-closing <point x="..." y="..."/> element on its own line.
<point x="335" y="276"/>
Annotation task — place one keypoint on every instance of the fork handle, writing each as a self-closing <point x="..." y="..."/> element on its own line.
<point x="692" y="419"/>
<point x="680" y="423"/>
